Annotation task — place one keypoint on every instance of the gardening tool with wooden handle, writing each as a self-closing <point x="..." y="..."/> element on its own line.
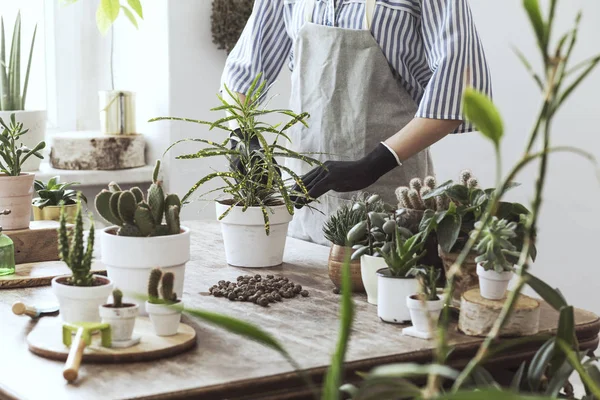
<point x="20" y="308"/>
<point x="83" y="337"/>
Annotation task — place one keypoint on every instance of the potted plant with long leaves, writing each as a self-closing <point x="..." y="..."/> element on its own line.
<point x="16" y="187"/>
<point x="257" y="202"/>
<point x="81" y="293"/>
<point x="51" y="195"/>
<point x="425" y="306"/>
<point x="144" y="233"/>
<point x="13" y="91"/>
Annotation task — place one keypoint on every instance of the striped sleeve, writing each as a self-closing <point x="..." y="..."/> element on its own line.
<point x="455" y="56"/>
<point x="262" y="48"/>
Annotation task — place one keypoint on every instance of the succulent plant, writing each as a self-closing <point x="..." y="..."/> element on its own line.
<point x="404" y="252"/>
<point x="53" y="193"/>
<point x="13" y="153"/>
<point x="413" y="196"/>
<point x="117" y="298"/>
<point x="495" y="245"/>
<point x="166" y="282"/>
<point x="137" y="217"/>
<point x="72" y="251"/>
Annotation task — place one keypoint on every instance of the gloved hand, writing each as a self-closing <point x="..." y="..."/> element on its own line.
<point x="235" y="164"/>
<point x="347" y="176"/>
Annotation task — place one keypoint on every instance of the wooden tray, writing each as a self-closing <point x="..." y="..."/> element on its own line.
<point x="46" y="341"/>
<point x="41" y="274"/>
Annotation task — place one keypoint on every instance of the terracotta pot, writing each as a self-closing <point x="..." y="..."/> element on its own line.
<point x="52" y="213"/>
<point x="15" y="194"/>
<point x="467" y="277"/>
<point x="337" y="255"/>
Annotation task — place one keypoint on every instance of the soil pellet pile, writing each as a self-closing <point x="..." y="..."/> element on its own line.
<point x="258" y="290"/>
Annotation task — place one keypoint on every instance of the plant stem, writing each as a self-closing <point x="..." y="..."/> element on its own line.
<point x="112" y="52"/>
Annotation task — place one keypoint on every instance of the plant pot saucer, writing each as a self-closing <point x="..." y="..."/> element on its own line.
<point x="122" y="344"/>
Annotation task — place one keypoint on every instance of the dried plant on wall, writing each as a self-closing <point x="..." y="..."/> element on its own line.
<point x="228" y="20"/>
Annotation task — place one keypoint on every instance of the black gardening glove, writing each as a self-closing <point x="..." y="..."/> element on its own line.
<point x="347" y="176"/>
<point x="235" y="164"/>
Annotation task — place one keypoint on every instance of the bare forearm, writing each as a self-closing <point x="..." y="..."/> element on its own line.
<point x="419" y="134"/>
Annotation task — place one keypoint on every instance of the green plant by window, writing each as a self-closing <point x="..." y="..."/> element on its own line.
<point x="258" y="183"/>
<point x="12" y="97"/>
<point x="494" y="244"/>
<point x="109" y="10"/>
<point x="12" y="153"/>
<point x="55" y="194"/>
<point x="427" y="277"/>
<point x="72" y="250"/>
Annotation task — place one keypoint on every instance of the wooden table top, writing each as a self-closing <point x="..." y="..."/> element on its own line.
<point x="224" y="365"/>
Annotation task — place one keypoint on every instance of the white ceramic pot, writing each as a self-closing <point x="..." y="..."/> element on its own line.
<point x="121" y="320"/>
<point x="129" y="260"/>
<point x="369" y="266"/>
<point x="392" y="292"/>
<point x="493" y="285"/>
<point x="35" y="121"/>
<point x="246" y="242"/>
<point x="16" y="193"/>
<point x="165" y="319"/>
<point x="80" y="303"/>
<point x="420" y="312"/>
<point x="117" y="112"/>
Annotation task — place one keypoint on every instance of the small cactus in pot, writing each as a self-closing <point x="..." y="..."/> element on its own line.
<point x="161" y="298"/>
<point x="120" y="316"/>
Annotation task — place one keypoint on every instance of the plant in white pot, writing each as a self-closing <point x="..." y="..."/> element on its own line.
<point x="425" y="306"/>
<point x="495" y="262"/>
<point x="51" y="196"/>
<point x="145" y="233"/>
<point x="81" y="293"/>
<point x="120" y="316"/>
<point x="13" y="95"/>
<point x="161" y="301"/>
<point x="16" y="187"/>
<point x="258" y="201"/>
<point x="394" y="284"/>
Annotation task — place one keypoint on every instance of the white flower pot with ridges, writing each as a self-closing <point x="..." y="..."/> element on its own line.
<point x="121" y="320"/>
<point x="165" y="319"/>
<point x="15" y="195"/>
<point x="129" y="260"/>
<point x="35" y="121"/>
<point x="392" y="292"/>
<point x="493" y="285"/>
<point x="81" y="303"/>
<point x="369" y="266"/>
<point x="246" y="242"/>
<point x="421" y="312"/>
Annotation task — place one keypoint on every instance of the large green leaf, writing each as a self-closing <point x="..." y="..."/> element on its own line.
<point x="411" y="370"/>
<point x="566" y="333"/>
<point x="538" y="365"/>
<point x="439" y="190"/>
<point x="591" y="384"/>
<point x="137" y="7"/>
<point x="480" y="110"/>
<point x="537" y="22"/>
<point x="551" y="296"/>
<point x="448" y="230"/>
<point x="130" y="16"/>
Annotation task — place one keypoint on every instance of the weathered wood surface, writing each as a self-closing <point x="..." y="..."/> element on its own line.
<point x="478" y="315"/>
<point x="46" y="341"/>
<point x="94" y="151"/>
<point x="41" y="274"/>
<point x="227" y="366"/>
<point x="38" y="243"/>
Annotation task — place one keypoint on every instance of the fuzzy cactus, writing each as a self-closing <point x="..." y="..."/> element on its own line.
<point x="72" y="250"/>
<point x="429" y="203"/>
<point x="402" y="196"/>
<point x="472" y="183"/>
<point x="415" y="200"/>
<point x="416" y="184"/>
<point x="137" y="216"/>
<point x="153" y="282"/>
<point x="430" y="182"/>
<point x="167" y="285"/>
<point x="166" y="289"/>
<point x="117" y="298"/>
<point x="465" y="175"/>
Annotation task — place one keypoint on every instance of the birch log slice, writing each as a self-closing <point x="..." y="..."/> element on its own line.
<point x="94" y="151"/>
<point x="477" y="315"/>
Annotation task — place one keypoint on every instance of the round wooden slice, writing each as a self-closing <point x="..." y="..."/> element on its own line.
<point x="477" y="315"/>
<point x="46" y="341"/>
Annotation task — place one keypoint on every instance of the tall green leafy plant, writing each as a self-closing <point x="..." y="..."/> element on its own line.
<point x="12" y="95"/>
<point x="13" y="153"/>
<point x="109" y="10"/>
<point x="258" y="181"/>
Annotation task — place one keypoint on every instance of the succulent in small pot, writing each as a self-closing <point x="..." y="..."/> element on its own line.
<point x="120" y="316"/>
<point x="51" y="195"/>
<point x="425" y="306"/>
<point x="16" y="187"/>
<point x="161" y="301"/>
<point x="495" y="261"/>
<point x="394" y="284"/>
<point x="81" y="293"/>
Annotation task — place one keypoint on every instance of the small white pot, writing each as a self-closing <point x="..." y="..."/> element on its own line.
<point x="35" y="121"/>
<point x="129" y="260"/>
<point x="81" y="303"/>
<point x="165" y="319"/>
<point x="246" y="242"/>
<point x="493" y="285"/>
<point x="369" y="266"/>
<point x="392" y="292"/>
<point x="16" y="193"/>
<point x="121" y="320"/>
<point x="420" y="312"/>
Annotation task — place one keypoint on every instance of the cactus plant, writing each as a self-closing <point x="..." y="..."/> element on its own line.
<point x="135" y="216"/>
<point x="71" y="249"/>
<point x="166" y="282"/>
<point x="117" y="298"/>
<point x="414" y="196"/>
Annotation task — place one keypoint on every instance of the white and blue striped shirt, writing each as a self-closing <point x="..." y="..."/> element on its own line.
<point x="431" y="45"/>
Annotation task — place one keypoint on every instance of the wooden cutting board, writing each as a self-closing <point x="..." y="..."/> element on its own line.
<point x="41" y="274"/>
<point x="46" y="341"/>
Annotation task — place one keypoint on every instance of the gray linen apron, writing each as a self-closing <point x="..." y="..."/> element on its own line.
<point x="343" y="80"/>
